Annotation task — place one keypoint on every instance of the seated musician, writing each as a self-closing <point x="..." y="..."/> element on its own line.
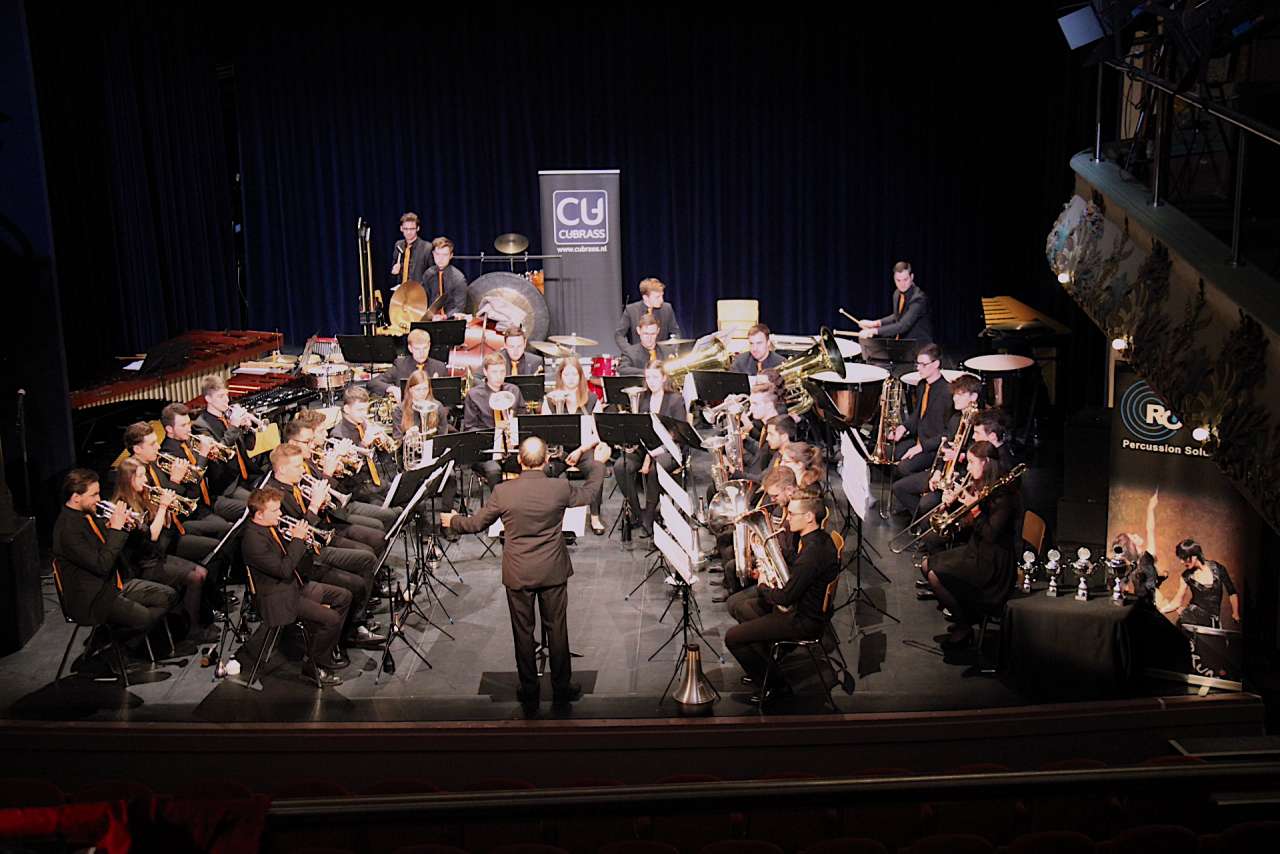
<point x="920" y="491"/>
<point x="366" y="532"/>
<point x="520" y="362"/>
<point x="652" y="301"/>
<point x="372" y="480"/>
<point x="180" y="442"/>
<point x="793" y="610"/>
<point x="323" y="461"/>
<point x="343" y="563"/>
<point x="779" y="433"/>
<point x="87" y="549"/>
<point x="146" y="551"/>
<point x="662" y="399"/>
<point x="760" y="357"/>
<point x="424" y="416"/>
<point x="572" y="383"/>
<point x="635" y="356"/>
<point x="806" y="463"/>
<point x="978" y="576"/>
<point x="445" y="280"/>
<point x="776" y="491"/>
<point x="478" y="415"/>
<point x="993" y="427"/>
<point x="280" y="561"/>
<point x="910" y="318"/>
<point x="228" y="425"/>
<point x="920" y="432"/>
<point x="417" y="359"/>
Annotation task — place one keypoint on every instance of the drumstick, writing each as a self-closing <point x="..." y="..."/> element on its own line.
<point x="850" y="316"/>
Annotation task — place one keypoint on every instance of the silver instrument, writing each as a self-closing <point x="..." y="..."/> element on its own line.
<point x="132" y="518"/>
<point x="414" y="443"/>
<point x="558" y="401"/>
<point x="727" y="454"/>
<point x="256" y="423"/>
<point x="760" y="533"/>
<point x="210" y="448"/>
<point x="315" y="536"/>
<point x="309" y="484"/>
<point x="633" y="393"/>
<point x="503" y="403"/>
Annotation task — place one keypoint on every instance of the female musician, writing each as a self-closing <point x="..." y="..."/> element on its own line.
<point x="146" y="552"/>
<point x="979" y="575"/>
<point x="805" y="461"/>
<point x="571" y="380"/>
<point x="407" y="418"/>
<point x="659" y="398"/>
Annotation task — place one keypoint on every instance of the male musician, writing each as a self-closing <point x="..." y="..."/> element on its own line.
<point x="652" y="294"/>
<point x="86" y="549"/>
<point x="636" y="356"/>
<point x="342" y="563"/>
<point x="778" y="487"/>
<point x="412" y="258"/>
<point x="760" y="356"/>
<point x="795" y="611"/>
<point x="193" y="543"/>
<point x="478" y="415"/>
<point x="779" y="432"/>
<point x="519" y="361"/>
<point x="371" y="482"/>
<point x="535" y="562"/>
<point x="920" y="491"/>
<point x="418" y="359"/>
<point x="280" y="565"/>
<point x="920" y="433"/>
<point x="363" y="531"/>
<point x="176" y="420"/>
<point x="229" y="428"/>
<point x="445" y="280"/>
<point x="910" y="319"/>
<point x="993" y="427"/>
<point x="361" y="511"/>
<point x="657" y="398"/>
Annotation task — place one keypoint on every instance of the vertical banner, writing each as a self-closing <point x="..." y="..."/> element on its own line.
<point x="1166" y="491"/>
<point x="581" y="222"/>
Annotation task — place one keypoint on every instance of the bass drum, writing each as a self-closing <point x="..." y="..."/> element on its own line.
<point x="509" y="299"/>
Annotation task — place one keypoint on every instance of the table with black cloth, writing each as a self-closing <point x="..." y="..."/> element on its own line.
<point x="1057" y="647"/>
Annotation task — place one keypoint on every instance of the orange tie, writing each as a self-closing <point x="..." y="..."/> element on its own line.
<point x="515" y="367"/>
<point x="902" y="302"/>
<point x="103" y="540"/>
<point x="373" y="468"/>
<point x="204" y="487"/>
<point x="653" y="354"/>
<point x="275" y="536"/>
<point x="155" y="478"/>
<point x="800" y="547"/>
<point x="404" y="269"/>
<point x="924" y="401"/>
<point x="439" y="283"/>
<point x="244" y="473"/>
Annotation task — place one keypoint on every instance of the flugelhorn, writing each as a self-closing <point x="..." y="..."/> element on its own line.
<point x="132" y="518"/>
<point x="315" y="536"/>
<point x="180" y="506"/>
<point x="165" y="462"/>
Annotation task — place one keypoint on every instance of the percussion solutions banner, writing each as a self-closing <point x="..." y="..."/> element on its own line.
<point x="581" y="222"/>
<point x="1165" y="490"/>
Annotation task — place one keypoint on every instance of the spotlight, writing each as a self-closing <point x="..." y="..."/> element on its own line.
<point x="1064" y="277"/>
<point x="1201" y="433"/>
<point x="1120" y="344"/>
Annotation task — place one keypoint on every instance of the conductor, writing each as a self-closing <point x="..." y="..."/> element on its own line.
<point x="535" y="562"/>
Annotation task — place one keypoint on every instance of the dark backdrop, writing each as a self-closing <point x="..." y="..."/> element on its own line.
<point x="788" y="160"/>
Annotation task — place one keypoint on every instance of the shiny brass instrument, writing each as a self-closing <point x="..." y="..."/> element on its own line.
<point x="944" y="468"/>
<point x="921" y="526"/>
<point x="823" y="357"/>
<point x="309" y="484"/>
<point x="759" y="532"/>
<point x="211" y="449"/>
<point x="507" y="437"/>
<point x="414" y="443"/>
<point x="132" y="518"/>
<point x="730" y="502"/>
<point x="256" y="423"/>
<point x="382" y="409"/>
<point x="945" y="520"/>
<point x="890" y="420"/>
<point x="350" y="456"/>
<point x="380" y="439"/>
<point x="714" y="357"/>
<point x="727" y="453"/>
<point x="315" y="536"/>
<point x="165" y="463"/>
<point x="558" y="401"/>
<point x="179" y="507"/>
<point x="633" y="393"/>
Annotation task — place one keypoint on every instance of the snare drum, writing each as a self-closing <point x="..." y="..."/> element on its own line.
<point x="602" y="366"/>
<point x="1007" y="383"/>
<point x="327" y="376"/>
<point x="856" y="395"/>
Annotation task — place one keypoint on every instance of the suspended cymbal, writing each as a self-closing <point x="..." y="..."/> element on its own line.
<point x="676" y="341"/>
<point x="574" y="340"/>
<point x="408" y="303"/>
<point x="511" y="243"/>
<point x="546" y="348"/>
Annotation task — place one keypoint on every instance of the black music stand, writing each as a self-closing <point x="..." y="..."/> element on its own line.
<point x="445" y="334"/>
<point x="466" y="449"/>
<point x="714" y="386"/>
<point x="562" y="430"/>
<point x="370" y="349"/>
<point x="229" y="541"/>
<point x="859" y="593"/>
<point x="613" y="390"/>
<point x="448" y="391"/>
<point x="890" y="352"/>
<point x="533" y="387"/>
<point x="622" y="430"/>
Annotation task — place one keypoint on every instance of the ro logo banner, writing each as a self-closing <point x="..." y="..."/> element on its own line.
<point x="1145" y="415"/>
<point x="582" y="217"/>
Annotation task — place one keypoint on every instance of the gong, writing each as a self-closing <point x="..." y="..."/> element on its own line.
<point x="510" y="298"/>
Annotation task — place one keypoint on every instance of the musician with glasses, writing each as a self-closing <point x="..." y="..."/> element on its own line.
<point x="921" y="431"/>
<point x="634" y="357"/>
<point x="280" y="561"/>
<point x="795" y="609"/>
<point x="910" y="318"/>
<point x="322" y="461"/>
<point x="920" y="491"/>
<point x="361" y="531"/>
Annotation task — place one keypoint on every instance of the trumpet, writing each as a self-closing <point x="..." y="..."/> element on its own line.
<point x="309" y="484"/>
<point x="380" y="440"/>
<point x="179" y="507"/>
<point x="211" y="448"/>
<point x="132" y="518"/>
<point x="238" y="412"/>
<point x="165" y="462"/>
<point x="315" y="536"/>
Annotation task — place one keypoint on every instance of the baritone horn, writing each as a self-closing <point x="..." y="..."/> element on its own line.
<point x="823" y="357"/>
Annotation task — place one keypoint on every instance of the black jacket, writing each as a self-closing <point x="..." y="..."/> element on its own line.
<point x="812" y="567"/>
<point x="625" y="333"/>
<point x="401" y="368"/>
<point x="913" y="322"/>
<point x="745" y="363"/>
<point x="930" y="429"/>
<point x="454" y="285"/>
<point x="278" y="576"/>
<point x="87" y="565"/>
<point x="634" y="359"/>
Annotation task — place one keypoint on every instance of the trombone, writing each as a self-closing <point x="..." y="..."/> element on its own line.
<point x="922" y="526"/>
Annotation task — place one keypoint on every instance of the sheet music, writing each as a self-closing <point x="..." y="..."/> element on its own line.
<point x="588" y="436"/>
<point x="676" y="524"/>
<point x="855" y="474"/>
<point x="672" y="488"/>
<point x="675" y="556"/>
<point x="689" y="390"/>
<point x="575" y="520"/>
<point x="667" y="442"/>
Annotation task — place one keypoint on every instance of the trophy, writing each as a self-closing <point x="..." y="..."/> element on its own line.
<point x="1028" y="569"/>
<point x="1118" y="570"/>
<point x="1052" y="570"/>
<point x="1082" y="567"/>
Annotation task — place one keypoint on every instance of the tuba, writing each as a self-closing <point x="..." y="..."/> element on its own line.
<point x="824" y="356"/>
<point x="890" y="419"/>
<point x="714" y="357"/>
<point x="758" y="535"/>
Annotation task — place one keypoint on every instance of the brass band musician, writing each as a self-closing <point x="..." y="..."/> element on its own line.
<point x="417" y="359"/>
<point x="477" y="414"/>
<point x="659" y="398"/>
<point x="652" y="302"/>
<point x="571" y="387"/>
<point x="917" y="492"/>
<point x="760" y="355"/>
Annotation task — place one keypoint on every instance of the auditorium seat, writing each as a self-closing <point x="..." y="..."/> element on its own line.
<point x="690" y="831"/>
<point x="481" y="833"/>
<point x="111" y="790"/>
<point x="951" y="843"/>
<point x="681" y="779"/>
<point x="498" y="784"/>
<point x="791" y="825"/>
<point x="1052" y="842"/>
<point x="390" y="831"/>
<point x="740" y="846"/>
<point x="591" y="783"/>
<point x="846" y="845"/>
<point x="1172" y="759"/>
<point x="590" y="830"/>
<point x="997" y="819"/>
<point x="29" y="792"/>
<point x="1152" y="839"/>
<point x="528" y="848"/>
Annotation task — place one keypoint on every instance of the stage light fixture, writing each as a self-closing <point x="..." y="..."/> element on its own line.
<point x="1120" y="344"/>
<point x="1064" y="277"/>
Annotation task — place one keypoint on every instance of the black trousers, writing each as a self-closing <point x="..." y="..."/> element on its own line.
<point x="587" y="464"/>
<point x="350" y="569"/>
<point x="553" y="605"/>
<point x="348" y="536"/>
<point x="140" y="604"/>
<point x="627" y="468"/>
<point x="749" y="641"/>
<point x="323" y="609"/>
<point x="746" y="605"/>
<point x="908" y="489"/>
<point x="361" y="511"/>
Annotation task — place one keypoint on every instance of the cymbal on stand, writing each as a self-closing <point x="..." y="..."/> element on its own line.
<point x="511" y="243"/>
<point x="547" y="348"/>
<point x="573" y="341"/>
<point x="408" y="303"/>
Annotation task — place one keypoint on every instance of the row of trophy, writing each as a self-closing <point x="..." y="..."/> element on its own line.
<point x="1116" y="567"/>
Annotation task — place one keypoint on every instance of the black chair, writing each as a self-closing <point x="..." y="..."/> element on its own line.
<point x="816" y="650"/>
<point x="273" y="632"/>
<point x="114" y="634"/>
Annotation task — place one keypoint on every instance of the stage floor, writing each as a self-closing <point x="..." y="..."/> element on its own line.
<point x="898" y="665"/>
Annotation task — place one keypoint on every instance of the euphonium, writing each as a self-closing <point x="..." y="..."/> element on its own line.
<point x="890" y="419"/>
<point x="714" y="357"/>
<point x="132" y="518"/>
<point x="165" y="463"/>
<point x="946" y="468"/>
<point x="181" y="506"/>
<point x="502" y="403"/>
<point x="315" y="536"/>
<point x="726" y="451"/>
<point x="633" y="393"/>
<point x="760" y="535"/>
<point x="558" y="401"/>
<point x="824" y="356"/>
<point x="730" y="502"/>
<point x="308" y="485"/>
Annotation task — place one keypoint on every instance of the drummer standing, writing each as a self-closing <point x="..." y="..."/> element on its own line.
<point x="412" y="257"/>
<point x="910" y="318"/>
<point x="442" y="279"/>
<point x="652" y="294"/>
<point x="761" y="356"/>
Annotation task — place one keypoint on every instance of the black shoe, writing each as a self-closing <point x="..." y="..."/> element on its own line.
<point x="926" y="595"/>
<point x="323" y="678"/>
<point x="779" y="692"/>
<point x="748" y="680"/>
<point x="362" y="638"/>
<point x="564" y="698"/>
<point x="922" y="584"/>
<point x="338" y="659"/>
<point x="957" y="642"/>
<point x="526" y="711"/>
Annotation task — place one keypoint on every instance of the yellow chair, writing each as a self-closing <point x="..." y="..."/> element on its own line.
<point x="737" y="315"/>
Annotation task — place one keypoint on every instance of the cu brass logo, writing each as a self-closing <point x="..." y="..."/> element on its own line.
<point x="1145" y="415"/>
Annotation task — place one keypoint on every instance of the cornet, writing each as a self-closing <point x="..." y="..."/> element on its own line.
<point x="309" y="484"/>
<point x="256" y="423"/>
<point x="210" y="448"/>
<point x="132" y="518"/>
<point x="165" y="462"/>
<point x="179" y="507"/>
<point x="315" y="536"/>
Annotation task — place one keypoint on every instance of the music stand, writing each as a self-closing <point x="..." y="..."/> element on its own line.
<point x="241" y="629"/>
<point x="613" y="389"/>
<point x="890" y="351"/>
<point x="445" y="335"/>
<point x="467" y="448"/>
<point x="533" y="387"/>
<point x="680" y="564"/>
<point x="370" y="349"/>
<point x="448" y="391"/>
<point x="562" y="430"/>
<point x="855" y="477"/>
<point x="714" y="386"/>
<point x="622" y="430"/>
